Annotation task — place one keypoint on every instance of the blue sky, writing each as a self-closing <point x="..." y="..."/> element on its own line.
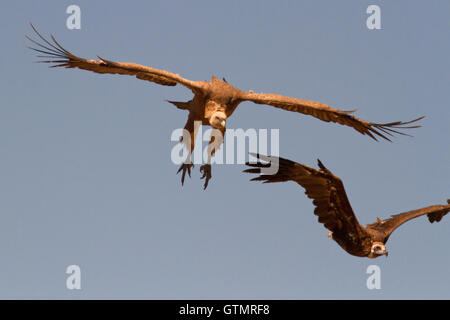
<point x="86" y="176"/>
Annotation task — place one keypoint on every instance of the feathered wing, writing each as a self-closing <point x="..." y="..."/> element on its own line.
<point x="60" y="57"/>
<point x="327" y="113"/>
<point x="435" y="213"/>
<point x="327" y="191"/>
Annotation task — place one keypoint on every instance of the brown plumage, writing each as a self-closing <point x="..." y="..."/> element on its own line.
<point x="333" y="207"/>
<point x="214" y="101"/>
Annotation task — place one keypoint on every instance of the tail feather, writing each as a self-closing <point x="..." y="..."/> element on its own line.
<point x="180" y="105"/>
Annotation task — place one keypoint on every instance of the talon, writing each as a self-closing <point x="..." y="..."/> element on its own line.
<point x="206" y="170"/>
<point x="185" y="167"/>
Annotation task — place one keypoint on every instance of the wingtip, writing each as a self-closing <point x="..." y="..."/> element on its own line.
<point x="392" y="128"/>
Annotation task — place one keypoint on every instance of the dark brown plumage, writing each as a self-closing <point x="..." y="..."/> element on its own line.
<point x="214" y="101"/>
<point x="333" y="207"/>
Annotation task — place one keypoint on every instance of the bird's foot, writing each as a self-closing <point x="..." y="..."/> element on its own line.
<point x="206" y="170"/>
<point x="330" y="234"/>
<point x="185" y="167"/>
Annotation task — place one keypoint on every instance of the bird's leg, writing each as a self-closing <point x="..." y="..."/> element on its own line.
<point x="214" y="144"/>
<point x="330" y="234"/>
<point x="188" y="139"/>
<point x="206" y="170"/>
<point x="186" y="166"/>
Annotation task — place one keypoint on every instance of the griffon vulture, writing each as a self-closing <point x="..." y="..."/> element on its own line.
<point x="334" y="210"/>
<point x="213" y="102"/>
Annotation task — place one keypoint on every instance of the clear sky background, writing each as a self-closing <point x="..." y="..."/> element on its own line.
<point x="85" y="170"/>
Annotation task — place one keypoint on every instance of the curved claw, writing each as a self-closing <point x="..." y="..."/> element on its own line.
<point x="206" y="170"/>
<point x="185" y="167"/>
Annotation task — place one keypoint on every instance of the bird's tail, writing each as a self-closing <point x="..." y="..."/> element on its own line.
<point x="180" y="105"/>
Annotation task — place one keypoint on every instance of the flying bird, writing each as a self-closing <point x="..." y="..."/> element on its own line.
<point x="334" y="210"/>
<point x="213" y="102"/>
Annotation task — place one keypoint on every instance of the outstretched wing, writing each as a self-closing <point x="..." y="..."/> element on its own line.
<point x="326" y="113"/>
<point x="60" y="57"/>
<point x="327" y="191"/>
<point x="386" y="227"/>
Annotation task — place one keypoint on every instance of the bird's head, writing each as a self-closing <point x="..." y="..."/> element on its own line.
<point x="378" y="249"/>
<point x="218" y="120"/>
